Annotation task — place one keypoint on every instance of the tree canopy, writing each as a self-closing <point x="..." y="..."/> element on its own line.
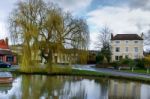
<point x="38" y="25"/>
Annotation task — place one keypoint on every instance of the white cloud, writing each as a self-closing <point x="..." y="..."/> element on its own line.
<point x="3" y="31"/>
<point x="73" y="6"/>
<point x="119" y="19"/>
<point x="6" y="6"/>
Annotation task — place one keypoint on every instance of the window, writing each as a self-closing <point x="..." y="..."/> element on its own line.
<point x="117" y="41"/>
<point x="10" y="59"/>
<point x="126" y="49"/>
<point x="136" y="49"/>
<point x="135" y="41"/>
<point x="120" y="57"/>
<point x="117" y="49"/>
<point x="116" y="57"/>
<point x="126" y="56"/>
<point x="135" y="56"/>
<point x="1" y="58"/>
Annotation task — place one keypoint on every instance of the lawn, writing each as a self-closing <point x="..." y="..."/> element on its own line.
<point x="143" y="71"/>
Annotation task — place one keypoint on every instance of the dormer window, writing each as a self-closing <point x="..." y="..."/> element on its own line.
<point x="135" y="41"/>
<point x="117" y="41"/>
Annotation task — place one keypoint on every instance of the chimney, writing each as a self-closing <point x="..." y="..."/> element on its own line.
<point x="142" y="35"/>
<point x="6" y="40"/>
<point x="111" y="35"/>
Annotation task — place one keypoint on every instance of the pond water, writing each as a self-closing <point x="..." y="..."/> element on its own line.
<point x="64" y="87"/>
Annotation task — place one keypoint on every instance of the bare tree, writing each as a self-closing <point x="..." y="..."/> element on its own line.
<point x="103" y="37"/>
<point x="147" y="38"/>
<point x="103" y="42"/>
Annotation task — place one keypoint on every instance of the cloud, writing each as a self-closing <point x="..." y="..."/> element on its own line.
<point x="3" y="31"/>
<point x="143" y="4"/>
<point x="120" y="19"/>
<point x="73" y="6"/>
<point x="6" y="6"/>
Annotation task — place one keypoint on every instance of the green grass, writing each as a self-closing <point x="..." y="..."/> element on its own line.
<point x="143" y="71"/>
<point x="6" y="69"/>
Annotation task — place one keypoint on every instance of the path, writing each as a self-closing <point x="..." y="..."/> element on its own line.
<point x="110" y="71"/>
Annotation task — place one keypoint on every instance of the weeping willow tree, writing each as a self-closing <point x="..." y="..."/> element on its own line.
<point x="44" y="29"/>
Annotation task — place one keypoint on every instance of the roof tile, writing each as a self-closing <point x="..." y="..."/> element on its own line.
<point x="126" y="37"/>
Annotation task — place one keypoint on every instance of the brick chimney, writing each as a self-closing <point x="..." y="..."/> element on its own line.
<point x="6" y="40"/>
<point x="111" y="35"/>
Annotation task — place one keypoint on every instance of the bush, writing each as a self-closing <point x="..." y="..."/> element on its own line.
<point x="99" y="59"/>
<point x="140" y="63"/>
<point x="125" y="61"/>
<point x="116" y="64"/>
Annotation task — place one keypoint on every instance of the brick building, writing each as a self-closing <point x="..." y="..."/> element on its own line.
<point x="6" y="55"/>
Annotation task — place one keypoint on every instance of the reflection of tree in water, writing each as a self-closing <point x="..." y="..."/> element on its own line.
<point x="104" y="83"/>
<point x="55" y="87"/>
<point x="73" y="89"/>
<point x="4" y="88"/>
<point x="34" y="87"/>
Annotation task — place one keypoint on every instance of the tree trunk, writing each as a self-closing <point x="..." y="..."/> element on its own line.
<point x="147" y="70"/>
<point x="132" y="69"/>
<point x="49" y="59"/>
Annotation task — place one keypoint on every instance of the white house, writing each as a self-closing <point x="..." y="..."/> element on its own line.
<point x="126" y="46"/>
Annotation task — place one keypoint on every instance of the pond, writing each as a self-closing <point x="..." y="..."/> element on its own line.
<point x="69" y="87"/>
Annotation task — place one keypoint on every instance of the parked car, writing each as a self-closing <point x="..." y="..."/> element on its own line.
<point x="4" y="65"/>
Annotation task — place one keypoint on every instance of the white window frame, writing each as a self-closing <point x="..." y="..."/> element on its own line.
<point x="136" y="49"/>
<point x="117" y="50"/>
<point x="127" y="49"/>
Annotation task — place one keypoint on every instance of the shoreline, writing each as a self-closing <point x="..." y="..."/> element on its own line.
<point x="76" y="72"/>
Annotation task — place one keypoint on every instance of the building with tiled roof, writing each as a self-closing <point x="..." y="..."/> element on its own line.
<point x="126" y="46"/>
<point x="6" y="55"/>
<point x="4" y="44"/>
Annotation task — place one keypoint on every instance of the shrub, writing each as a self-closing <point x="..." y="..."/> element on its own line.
<point x="125" y="61"/>
<point x="116" y="64"/>
<point x="140" y="63"/>
<point x="99" y="59"/>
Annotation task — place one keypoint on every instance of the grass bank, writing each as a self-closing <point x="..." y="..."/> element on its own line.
<point x="141" y="71"/>
<point x="75" y="72"/>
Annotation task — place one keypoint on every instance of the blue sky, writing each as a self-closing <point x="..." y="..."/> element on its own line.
<point x="122" y="16"/>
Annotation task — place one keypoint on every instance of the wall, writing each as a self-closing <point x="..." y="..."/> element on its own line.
<point x="131" y="51"/>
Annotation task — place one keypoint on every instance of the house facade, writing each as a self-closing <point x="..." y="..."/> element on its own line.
<point x="126" y="46"/>
<point x="6" y="55"/>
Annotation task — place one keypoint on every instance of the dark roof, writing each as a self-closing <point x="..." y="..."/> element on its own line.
<point x="126" y="37"/>
<point x="6" y="52"/>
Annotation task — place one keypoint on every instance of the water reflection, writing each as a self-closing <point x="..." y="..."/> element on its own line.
<point x="4" y="88"/>
<point x="63" y="87"/>
<point x="124" y="89"/>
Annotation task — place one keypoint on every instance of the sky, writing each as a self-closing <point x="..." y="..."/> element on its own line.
<point x="121" y="16"/>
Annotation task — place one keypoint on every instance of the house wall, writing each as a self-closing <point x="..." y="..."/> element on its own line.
<point x="4" y="59"/>
<point x="130" y="44"/>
